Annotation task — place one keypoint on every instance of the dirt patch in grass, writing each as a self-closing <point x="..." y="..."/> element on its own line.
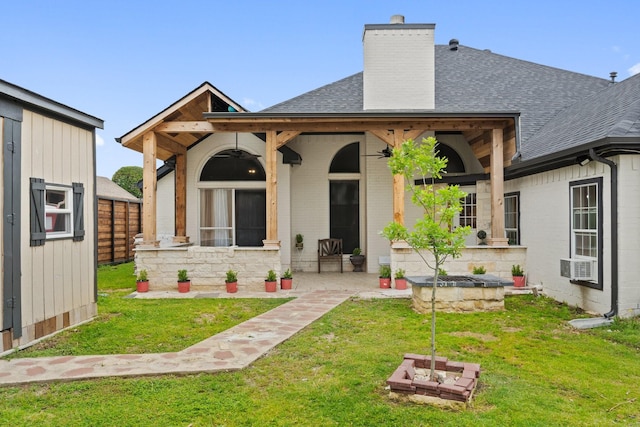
<point x="478" y="336"/>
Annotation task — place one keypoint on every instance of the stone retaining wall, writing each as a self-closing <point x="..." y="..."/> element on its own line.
<point x="458" y="299"/>
<point x="207" y="266"/>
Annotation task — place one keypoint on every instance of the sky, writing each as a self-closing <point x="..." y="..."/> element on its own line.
<point x="125" y="61"/>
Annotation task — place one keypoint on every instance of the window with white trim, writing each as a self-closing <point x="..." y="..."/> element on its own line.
<point x="512" y="217"/>
<point x="584" y="220"/>
<point x="468" y="212"/>
<point x="56" y="211"/>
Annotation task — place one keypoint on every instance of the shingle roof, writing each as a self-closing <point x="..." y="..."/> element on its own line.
<point x="470" y="81"/>
<point x="107" y="189"/>
<point x="613" y="112"/>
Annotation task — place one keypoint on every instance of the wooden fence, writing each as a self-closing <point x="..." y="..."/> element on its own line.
<point x="118" y="223"/>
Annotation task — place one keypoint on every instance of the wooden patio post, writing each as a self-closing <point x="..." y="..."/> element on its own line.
<point x="398" y="183"/>
<point x="272" y="190"/>
<point x="180" y="174"/>
<point x="498" y="237"/>
<point x="149" y="147"/>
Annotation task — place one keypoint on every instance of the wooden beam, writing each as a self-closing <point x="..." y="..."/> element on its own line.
<point x="187" y="126"/>
<point x="413" y="134"/>
<point x="498" y="237"/>
<point x="180" y="177"/>
<point x="384" y="135"/>
<point x="166" y="143"/>
<point x="272" y="188"/>
<point x="149" y="189"/>
<point x="286" y="136"/>
<point x="398" y="183"/>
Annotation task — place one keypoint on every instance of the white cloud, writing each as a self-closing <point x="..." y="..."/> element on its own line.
<point x="252" y="104"/>
<point x="634" y="69"/>
<point x="99" y="141"/>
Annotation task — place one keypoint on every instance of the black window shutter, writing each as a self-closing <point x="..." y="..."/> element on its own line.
<point x="78" y="212"/>
<point x="38" y="230"/>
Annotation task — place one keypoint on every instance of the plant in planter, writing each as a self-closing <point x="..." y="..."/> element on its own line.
<point x="400" y="279"/>
<point x="142" y="282"/>
<point x="231" y="281"/>
<point x="385" y="276"/>
<point x="286" y="280"/>
<point x="481" y="236"/>
<point x="271" y="282"/>
<point x="479" y="270"/>
<point x="299" y="241"/>
<point x="184" y="284"/>
<point x="357" y="259"/>
<point x="518" y="276"/>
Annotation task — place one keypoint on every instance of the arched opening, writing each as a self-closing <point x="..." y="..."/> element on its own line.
<point x="344" y="196"/>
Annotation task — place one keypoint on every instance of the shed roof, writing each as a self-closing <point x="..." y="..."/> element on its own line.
<point x="107" y="189"/>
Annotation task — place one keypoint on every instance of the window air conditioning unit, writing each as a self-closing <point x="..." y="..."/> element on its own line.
<point x="577" y="269"/>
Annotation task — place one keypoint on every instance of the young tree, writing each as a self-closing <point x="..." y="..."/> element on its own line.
<point x="128" y="177"/>
<point x="434" y="231"/>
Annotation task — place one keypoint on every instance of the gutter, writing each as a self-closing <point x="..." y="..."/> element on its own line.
<point x="614" y="231"/>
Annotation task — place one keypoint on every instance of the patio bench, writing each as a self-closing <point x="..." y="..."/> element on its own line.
<point x="330" y="250"/>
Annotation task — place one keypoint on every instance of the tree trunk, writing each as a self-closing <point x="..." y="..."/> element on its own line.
<point x="432" y="373"/>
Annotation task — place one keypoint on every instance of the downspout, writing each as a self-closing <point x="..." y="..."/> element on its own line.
<point x="614" y="231"/>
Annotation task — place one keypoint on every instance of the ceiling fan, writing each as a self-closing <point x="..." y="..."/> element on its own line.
<point x="384" y="153"/>
<point x="236" y="153"/>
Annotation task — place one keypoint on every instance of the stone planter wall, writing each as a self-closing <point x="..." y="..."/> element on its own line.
<point x="207" y="266"/>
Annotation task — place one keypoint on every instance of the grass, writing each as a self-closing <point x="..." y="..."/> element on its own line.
<point x="537" y="371"/>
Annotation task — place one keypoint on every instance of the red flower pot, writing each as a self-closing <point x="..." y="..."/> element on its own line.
<point x="401" y="284"/>
<point x="232" y="287"/>
<point x="270" y="286"/>
<point x="385" y="282"/>
<point x="518" y="281"/>
<point x="286" y="283"/>
<point x="142" y="286"/>
<point x="184" y="287"/>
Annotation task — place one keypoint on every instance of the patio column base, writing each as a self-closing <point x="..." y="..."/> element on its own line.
<point x="180" y="239"/>
<point x="271" y="244"/>
<point x="498" y="241"/>
<point x="150" y="243"/>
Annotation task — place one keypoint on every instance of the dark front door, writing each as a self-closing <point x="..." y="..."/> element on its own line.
<point x="345" y="213"/>
<point x="11" y="318"/>
<point x="251" y="217"/>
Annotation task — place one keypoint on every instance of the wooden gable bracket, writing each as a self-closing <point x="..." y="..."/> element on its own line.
<point x="285" y="136"/>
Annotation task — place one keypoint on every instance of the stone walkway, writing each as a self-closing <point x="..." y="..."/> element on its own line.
<point x="230" y="350"/>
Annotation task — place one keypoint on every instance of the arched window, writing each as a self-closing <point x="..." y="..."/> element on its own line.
<point x="454" y="163"/>
<point x="232" y="214"/>
<point x="344" y="196"/>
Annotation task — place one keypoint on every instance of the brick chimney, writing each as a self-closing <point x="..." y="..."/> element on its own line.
<point x="399" y="66"/>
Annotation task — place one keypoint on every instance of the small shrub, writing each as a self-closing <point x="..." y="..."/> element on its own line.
<point x="479" y="270"/>
<point x="271" y="276"/>
<point x="142" y="276"/>
<point x="287" y="274"/>
<point x="232" y="276"/>
<point x="356" y="251"/>
<point x="182" y="276"/>
<point x="299" y="238"/>
<point x="385" y="271"/>
<point x="516" y="271"/>
<point x="399" y="274"/>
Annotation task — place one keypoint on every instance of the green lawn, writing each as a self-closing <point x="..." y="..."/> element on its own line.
<point x="537" y="371"/>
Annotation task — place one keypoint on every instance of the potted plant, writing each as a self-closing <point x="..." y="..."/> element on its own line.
<point x="286" y="280"/>
<point x="479" y="270"/>
<point x="184" y="284"/>
<point x="271" y="282"/>
<point x="357" y="259"/>
<point x="400" y="279"/>
<point x="385" y="276"/>
<point x="231" y="281"/>
<point x="142" y="282"/>
<point x="299" y="241"/>
<point x="518" y="276"/>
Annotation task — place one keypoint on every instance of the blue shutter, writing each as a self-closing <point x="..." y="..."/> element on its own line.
<point x="78" y="212"/>
<point x="38" y="230"/>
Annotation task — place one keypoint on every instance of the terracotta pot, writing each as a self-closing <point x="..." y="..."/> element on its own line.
<point x="184" y="287"/>
<point x="401" y="284"/>
<point x="232" y="287"/>
<point x="385" y="282"/>
<point x="270" y="286"/>
<point x="285" y="283"/>
<point x="142" y="286"/>
<point x="518" y="281"/>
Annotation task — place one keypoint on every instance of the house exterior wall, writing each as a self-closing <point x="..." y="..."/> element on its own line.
<point x="545" y="231"/>
<point x="58" y="278"/>
<point x="629" y="230"/>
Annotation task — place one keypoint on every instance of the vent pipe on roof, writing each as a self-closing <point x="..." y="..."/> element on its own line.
<point x="397" y="19"/>
<point x="613" y="76"/>
<point x="453" y="44"/>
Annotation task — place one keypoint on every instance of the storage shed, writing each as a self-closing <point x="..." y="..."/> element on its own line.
<point x="119" y="220"/>
<point x="49" y="206"/>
